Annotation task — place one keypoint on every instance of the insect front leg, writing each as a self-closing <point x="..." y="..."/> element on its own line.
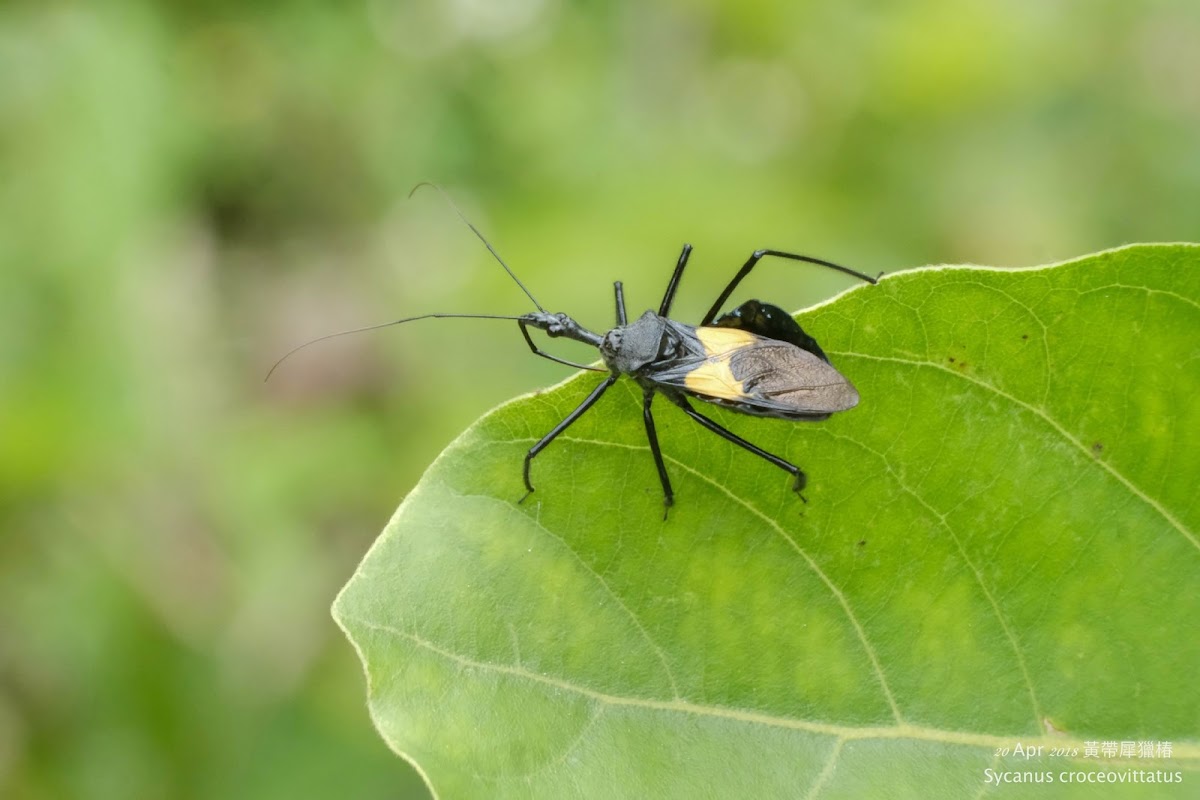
<point x="787" y="466"/>
<point x="543" y="354"/>
<point x="588" y="402"/>
<point x="668" y="495"/>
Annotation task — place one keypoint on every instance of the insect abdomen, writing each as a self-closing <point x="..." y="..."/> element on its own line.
<point x="766" y="376"/>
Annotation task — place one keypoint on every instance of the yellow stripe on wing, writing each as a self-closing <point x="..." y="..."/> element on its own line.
<point x="720" y="341"/>
<point x="712" y="377"/>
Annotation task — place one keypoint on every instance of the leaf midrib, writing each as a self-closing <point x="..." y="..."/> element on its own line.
<point x="1182" y="751"/>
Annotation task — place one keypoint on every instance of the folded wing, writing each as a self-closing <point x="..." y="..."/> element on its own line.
<point x="760" y="376"/>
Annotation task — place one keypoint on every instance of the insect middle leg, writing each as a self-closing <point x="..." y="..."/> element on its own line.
<point x="754" y="259"/>
<point x="668" y="495"/>
<point x="588" y="402"/>
<point x="787" y="466"/>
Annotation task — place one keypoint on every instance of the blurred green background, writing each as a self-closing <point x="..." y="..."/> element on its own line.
<point x="188" y="189"/>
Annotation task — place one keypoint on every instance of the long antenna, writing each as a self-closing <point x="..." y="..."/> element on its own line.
<point x="376" y="327"/>
<point x="486" y="243"/>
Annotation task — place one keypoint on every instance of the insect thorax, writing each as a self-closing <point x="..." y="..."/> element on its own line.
<point x="629" y="348"/>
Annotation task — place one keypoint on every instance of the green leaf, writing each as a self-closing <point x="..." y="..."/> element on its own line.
<point x="999" y="547"/>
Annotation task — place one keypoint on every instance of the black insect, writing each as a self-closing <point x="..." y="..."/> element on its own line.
<point x="756" y="359"/>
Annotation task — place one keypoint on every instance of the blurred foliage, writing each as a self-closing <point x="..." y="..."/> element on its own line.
<point x="190" y="188"/>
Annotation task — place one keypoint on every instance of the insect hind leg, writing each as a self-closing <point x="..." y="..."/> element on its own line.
<point x="801" y="480"/>
<point x="755" y="257"/>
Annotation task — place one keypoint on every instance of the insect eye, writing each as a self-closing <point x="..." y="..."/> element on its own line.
<point x="611" y="342"/>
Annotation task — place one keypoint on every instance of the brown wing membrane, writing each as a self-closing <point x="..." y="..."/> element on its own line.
<point x="760" y="376"/>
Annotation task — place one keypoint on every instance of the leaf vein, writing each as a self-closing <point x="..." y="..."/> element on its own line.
<point x="812" y="564"/>
<point x="945" y="524"/>
<point x="662" y="656"/>
<point x="1185" y="754"/>
<point x="1053" y="423"/>
<point x="826" y="771"/>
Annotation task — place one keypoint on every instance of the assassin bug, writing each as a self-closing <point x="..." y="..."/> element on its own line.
<point x="754" y="360"/>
